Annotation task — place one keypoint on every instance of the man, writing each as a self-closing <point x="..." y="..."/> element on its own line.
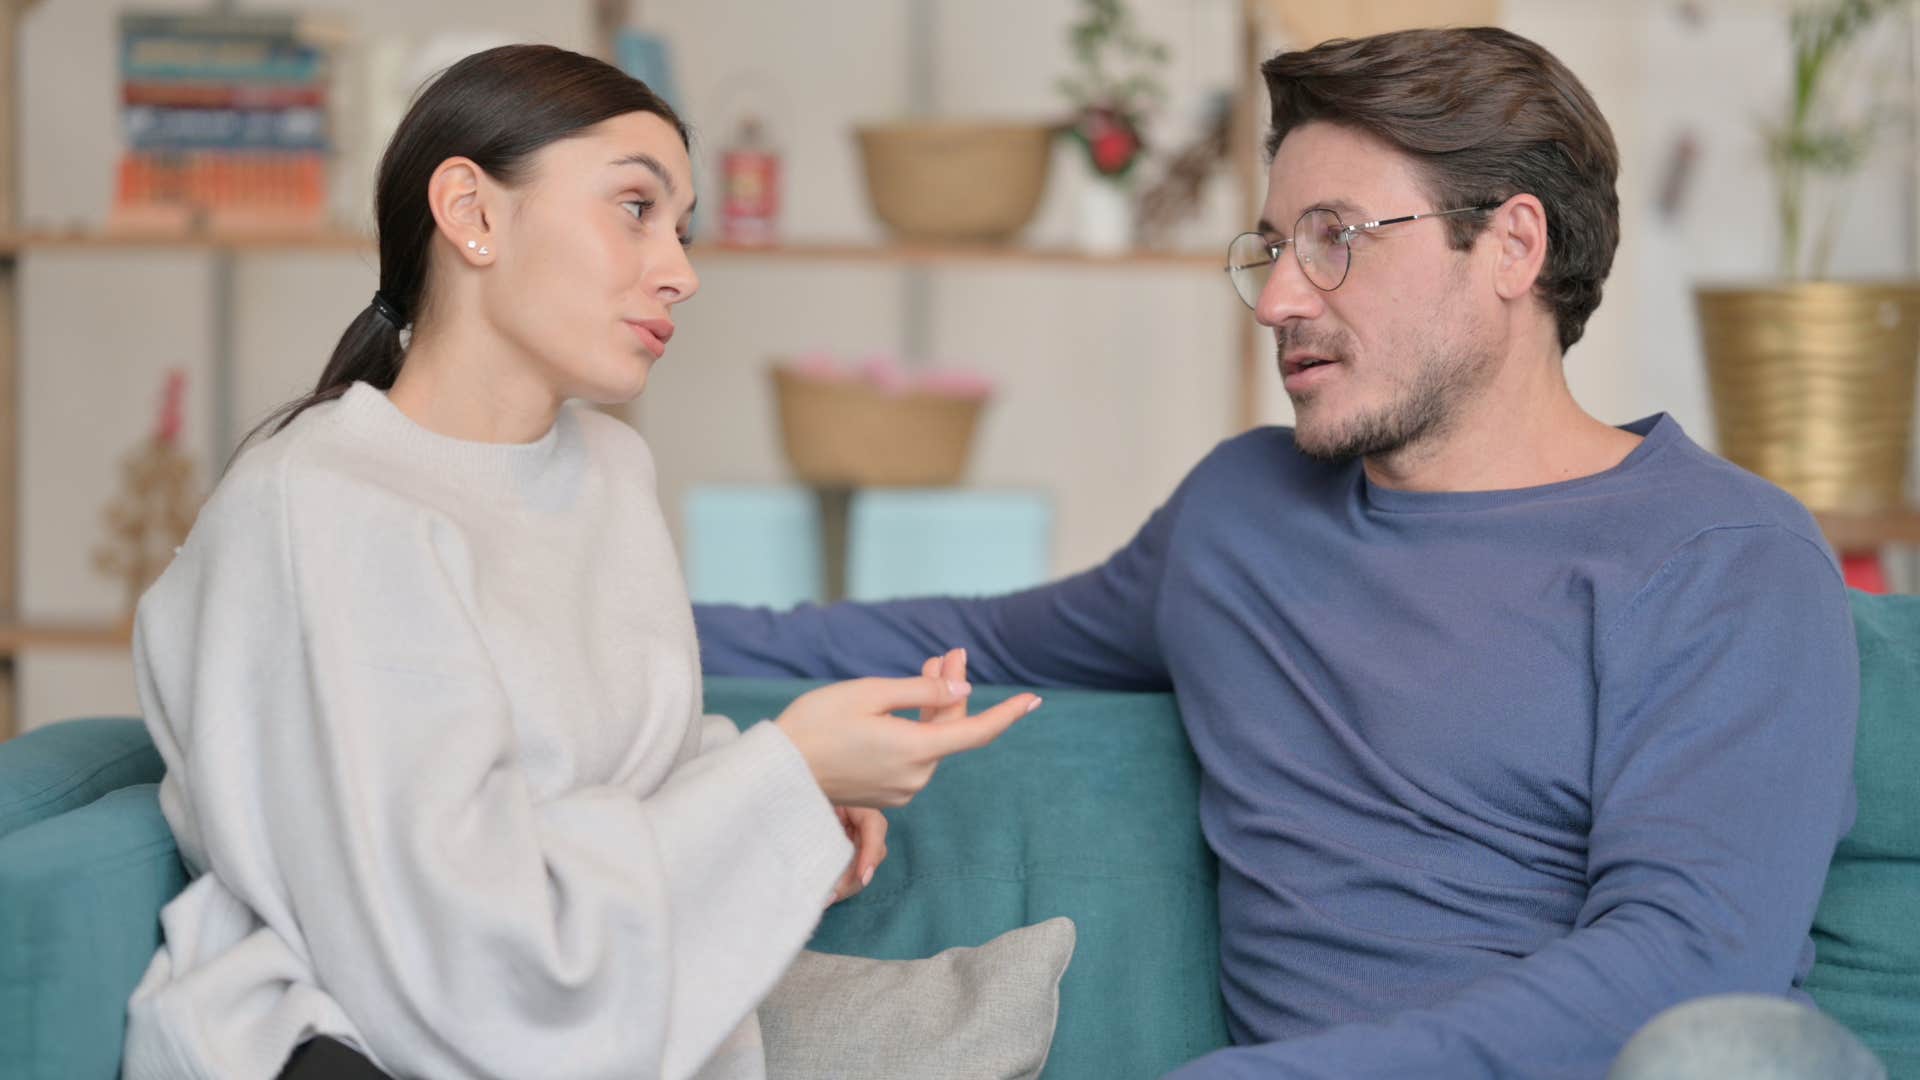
<point x="1515" y="728"/>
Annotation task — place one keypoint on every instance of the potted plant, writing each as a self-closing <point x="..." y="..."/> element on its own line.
<point x="1812" y="379"/>
<point x="1112" y="89"/>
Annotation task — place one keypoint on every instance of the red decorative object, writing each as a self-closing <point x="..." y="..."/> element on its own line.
<point x="1863" y="571"/>
<point x="750" y="188"/>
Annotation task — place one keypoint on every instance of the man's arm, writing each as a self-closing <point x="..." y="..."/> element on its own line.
<point x="1728" y="694"/>
<point x="1093" y="629"/>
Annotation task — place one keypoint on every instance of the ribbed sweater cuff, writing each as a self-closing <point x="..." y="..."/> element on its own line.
<point x="797" y="816"/>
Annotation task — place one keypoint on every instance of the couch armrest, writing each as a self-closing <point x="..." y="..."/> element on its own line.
<point x="63" y="766"/>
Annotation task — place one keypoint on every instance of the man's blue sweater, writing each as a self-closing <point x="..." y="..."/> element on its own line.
<point x="1493" y="777"/>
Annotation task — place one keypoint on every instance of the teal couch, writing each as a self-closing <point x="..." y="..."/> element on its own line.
<point x="1086" y="811"/>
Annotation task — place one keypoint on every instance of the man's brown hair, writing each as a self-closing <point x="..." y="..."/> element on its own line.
<point x="1485" y="115"/>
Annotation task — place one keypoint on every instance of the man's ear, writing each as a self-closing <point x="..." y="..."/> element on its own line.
<point x="459" y="194"/>
<point x="1519" y="227"/>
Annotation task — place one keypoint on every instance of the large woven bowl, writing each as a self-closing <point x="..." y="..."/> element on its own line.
<point x="953" y="181"/>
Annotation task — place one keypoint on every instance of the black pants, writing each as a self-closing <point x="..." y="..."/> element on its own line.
<point x="323" y="1058"/>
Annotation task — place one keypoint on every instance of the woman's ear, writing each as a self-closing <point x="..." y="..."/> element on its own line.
<point x="1520" y="226"/>
<point x="460" y="195"/>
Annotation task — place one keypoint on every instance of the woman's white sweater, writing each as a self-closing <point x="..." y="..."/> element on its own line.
<point x="431" y="716"/>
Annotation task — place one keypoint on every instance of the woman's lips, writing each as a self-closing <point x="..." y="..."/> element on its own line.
<point x="653" y="334"/>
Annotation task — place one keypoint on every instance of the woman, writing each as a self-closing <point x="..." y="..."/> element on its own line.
<point x="425" y="679"/>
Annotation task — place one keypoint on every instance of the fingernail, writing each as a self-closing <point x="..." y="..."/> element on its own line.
<point x="1034" y="704"/>
<point x="963" y="652"/>
<point x="866" y="877"/>
<point x="957" y="688"/>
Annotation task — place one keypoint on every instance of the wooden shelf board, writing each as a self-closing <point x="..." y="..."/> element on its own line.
<point x="19" y="637"/>
<point x="14" y="244"/>
<point x="18" y="243"/>
<point x="960" y="253"/>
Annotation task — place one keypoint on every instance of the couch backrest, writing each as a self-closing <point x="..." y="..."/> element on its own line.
<point x="1087" y="810"/>
<point x="1867" y="932"/>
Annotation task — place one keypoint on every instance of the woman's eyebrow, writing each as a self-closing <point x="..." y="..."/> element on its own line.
<point x="652" y="165"/>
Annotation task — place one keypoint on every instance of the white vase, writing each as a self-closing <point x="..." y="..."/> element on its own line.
<point x="1106" y="217"/>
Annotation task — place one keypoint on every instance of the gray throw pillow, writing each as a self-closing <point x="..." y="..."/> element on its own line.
<point x="985" y="1012"/>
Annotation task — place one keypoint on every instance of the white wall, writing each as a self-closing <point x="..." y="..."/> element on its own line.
<point x="1115" y="381"/>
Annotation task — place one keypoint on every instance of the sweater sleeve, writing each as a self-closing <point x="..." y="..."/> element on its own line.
<point x="1093" y="629"/>
<point x="1722" y="781"/>
<point x="369" y="801"/>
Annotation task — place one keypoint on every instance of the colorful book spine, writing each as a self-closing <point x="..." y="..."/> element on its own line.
<point x="226" y="122"/>
<point x="149" y="127"/>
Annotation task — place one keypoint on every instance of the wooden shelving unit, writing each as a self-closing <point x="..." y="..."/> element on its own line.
<point x="1846" y="532"/>
<point x="15" y="637"/>
<point x="15" y="244"/>
<point x="10" y="13"/>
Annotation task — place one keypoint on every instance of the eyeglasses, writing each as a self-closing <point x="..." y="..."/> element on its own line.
<point x="1321" y="244"/>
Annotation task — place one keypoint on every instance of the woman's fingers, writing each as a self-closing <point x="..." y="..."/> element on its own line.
<point x="953" y="668"/>
<point x="974" y="732"/>
<point x="868" y="831"/>
<point x="890" y="695"/>
<point x="929" y="670"/>
<point x="870" y="845"/>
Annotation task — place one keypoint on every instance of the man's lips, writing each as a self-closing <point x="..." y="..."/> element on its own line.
<point x="653" y="334"/>
<point x="1301" y="372"/>
<point x="1293" y="363"/>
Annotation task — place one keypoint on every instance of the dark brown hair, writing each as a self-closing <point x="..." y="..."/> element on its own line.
<point x="497" y="107"/>
<point x="1485" y="115"/>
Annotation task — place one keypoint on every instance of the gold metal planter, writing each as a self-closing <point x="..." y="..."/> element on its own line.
<point x="1813" y="386"/>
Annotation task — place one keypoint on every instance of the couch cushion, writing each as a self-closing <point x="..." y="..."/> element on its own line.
<point x="986" y="1013"/>
<point x="79" y="924"/>
<point x="1867" y="931"/>
<point x="56" y="768"/>
<point x="1121" y="855"/>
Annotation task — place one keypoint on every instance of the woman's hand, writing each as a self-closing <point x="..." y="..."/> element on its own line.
<point x="862" y="755"/>
<point x="867" y="828"/>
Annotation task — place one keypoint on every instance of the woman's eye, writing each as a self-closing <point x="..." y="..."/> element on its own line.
<point x="637" y="207"/>
<point x="686" y="241"/>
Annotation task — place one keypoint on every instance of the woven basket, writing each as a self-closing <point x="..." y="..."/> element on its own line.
<point x="947" y="181"/>
<point x="845" y="433"/>
<point x="1813" y="387"/>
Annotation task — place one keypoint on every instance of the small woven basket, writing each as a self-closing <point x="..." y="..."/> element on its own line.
<point x="847" y="433"/>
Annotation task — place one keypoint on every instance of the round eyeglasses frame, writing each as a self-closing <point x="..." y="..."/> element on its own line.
<point x="1251" y="256"/>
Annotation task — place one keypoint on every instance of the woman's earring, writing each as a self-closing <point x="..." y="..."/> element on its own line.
<point x="471" y="244"/>
<point x="484" y="251"/>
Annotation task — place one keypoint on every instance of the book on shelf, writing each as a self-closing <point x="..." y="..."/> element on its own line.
<point x="226" y="122"/>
